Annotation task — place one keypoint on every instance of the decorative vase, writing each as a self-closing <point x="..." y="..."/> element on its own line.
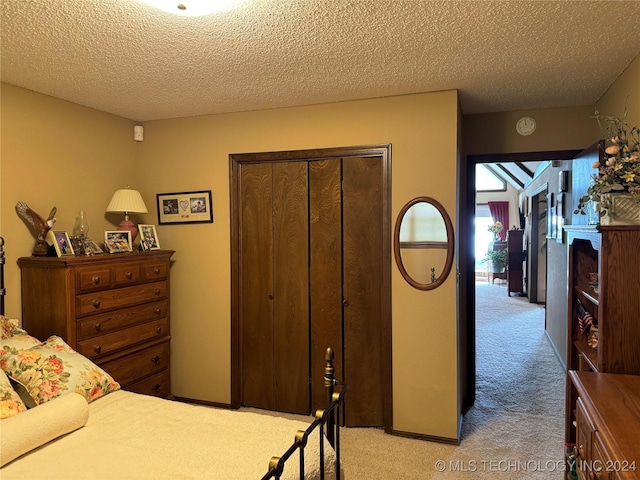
<point x="623" y="210"/>
<point x="81" y="227"/>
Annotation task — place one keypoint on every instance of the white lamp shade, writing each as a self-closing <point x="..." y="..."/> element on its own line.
<point x="126" y="200"/>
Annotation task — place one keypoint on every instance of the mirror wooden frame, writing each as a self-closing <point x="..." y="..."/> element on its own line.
<point x="450" y="244"/>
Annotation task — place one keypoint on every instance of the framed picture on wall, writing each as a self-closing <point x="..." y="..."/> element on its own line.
<point x="148" y="237"/>
<point x="559" y="213"/>
<point x="185" y="207"/>
<point x="61" y="243"/>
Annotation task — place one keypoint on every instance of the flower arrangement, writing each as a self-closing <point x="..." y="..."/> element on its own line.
<point x="495" y="228"/>
<point x="619" y="172"/>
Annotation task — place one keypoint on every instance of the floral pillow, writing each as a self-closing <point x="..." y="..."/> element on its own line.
<point x="53" y="368"/>
<point x="20" y="341"/>
<point x="8" y="326"/>
<point x="10" y="402"/>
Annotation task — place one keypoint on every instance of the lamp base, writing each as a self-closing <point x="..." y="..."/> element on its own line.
<point x="130" y="226"/>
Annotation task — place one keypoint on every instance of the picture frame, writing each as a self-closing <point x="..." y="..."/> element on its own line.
<point x="61" y="242"/>
<point x="91" y="247"/>
<point x="117" y="241"/>
<point x="185" y="207"/>
<point x="148" y="237"/>
<point x="560" y="218"/>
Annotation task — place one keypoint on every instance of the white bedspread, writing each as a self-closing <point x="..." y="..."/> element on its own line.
<point x="131" y="436"/>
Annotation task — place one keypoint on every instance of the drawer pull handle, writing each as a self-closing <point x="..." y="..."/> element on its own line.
<point x="156" y="270"/>
<point x="156" y="291"/>
<point x="129" y="275"/>
<point x="97" y="348"/>
<point x="158" y="329"/>
<point x="98" y="327"/>
<point x="156" y="359"/>
<point x="156" y="387"/>
<point x="157" y="310"/>
<point x="96" y="303"/>
<point x="96" y="279"/>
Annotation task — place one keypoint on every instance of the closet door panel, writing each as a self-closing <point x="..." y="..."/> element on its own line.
<point x="363" y="272"/>
<point x="256" y="233"/>
<point x="291" y="287"/>
<point x="325" y="207"/>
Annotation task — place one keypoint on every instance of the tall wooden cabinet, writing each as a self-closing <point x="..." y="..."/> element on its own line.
<point x="603" y="281"/>
<point x="515" y="261"/>
<point x="113" y="309"/>
<point x="311" y="247"/>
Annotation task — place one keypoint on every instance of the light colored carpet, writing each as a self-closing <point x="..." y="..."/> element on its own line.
<point x="515" y="430"/>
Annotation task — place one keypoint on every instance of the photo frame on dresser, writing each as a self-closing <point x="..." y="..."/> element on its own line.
<point x="148" y="237"/>
<point x="117" y="241"/>
<point x="61" y="242"/>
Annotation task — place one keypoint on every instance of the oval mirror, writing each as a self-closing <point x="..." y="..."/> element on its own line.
<point x="423" y="243"/>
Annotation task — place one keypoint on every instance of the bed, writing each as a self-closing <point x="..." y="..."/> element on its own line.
<point x="96" y="430"/>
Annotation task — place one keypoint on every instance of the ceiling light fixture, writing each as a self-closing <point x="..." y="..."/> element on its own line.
<point x="192" y="8"/>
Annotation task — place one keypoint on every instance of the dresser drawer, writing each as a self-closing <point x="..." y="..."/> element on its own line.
<point x="127" y="370"/>
<point x="155" y="270"/>
<point x="126" y="274"/>
<point x="109" y="322"/>
<point x="158" y="385"/>
<point x="121" y="339"/>
<point x="91" y="279"/>
<point x="97" y="302"/>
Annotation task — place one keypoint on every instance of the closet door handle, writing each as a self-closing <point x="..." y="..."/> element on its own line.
<point x="271" y="296"/>
<point x="345" y="303"/>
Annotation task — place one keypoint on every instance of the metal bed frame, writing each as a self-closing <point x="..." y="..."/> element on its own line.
<point x="327" y="422"/>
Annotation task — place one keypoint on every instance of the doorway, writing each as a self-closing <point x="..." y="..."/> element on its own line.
<point x="466" y="257"/>
<point x="338" y="192"/>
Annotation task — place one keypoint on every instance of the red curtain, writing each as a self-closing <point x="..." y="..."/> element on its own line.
<point x="500" y="213"/>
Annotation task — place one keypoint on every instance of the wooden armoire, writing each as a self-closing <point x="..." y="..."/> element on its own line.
<point x="311" y="269"/>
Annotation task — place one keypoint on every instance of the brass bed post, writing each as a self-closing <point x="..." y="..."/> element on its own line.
<point x="3" y="292"/>
<point x="329" y="384"/>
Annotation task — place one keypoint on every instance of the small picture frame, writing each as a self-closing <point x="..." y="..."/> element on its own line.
<point x="185" y="207"/>
<point x="148" y="237"/>
<point x="61" y="243"/>
<point x="117" y="241"/>
<point x="91" y="247"/>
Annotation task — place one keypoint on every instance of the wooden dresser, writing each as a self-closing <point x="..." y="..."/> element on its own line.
<point x="607" y="425"/>
<point x="113" y="309"/>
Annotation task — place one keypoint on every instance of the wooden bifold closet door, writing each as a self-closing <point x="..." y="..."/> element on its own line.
<point x="312" y="274"/>
<point x="275" y="286"/>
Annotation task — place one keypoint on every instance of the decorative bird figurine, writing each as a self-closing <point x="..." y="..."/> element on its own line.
<point x="40" y="226"/>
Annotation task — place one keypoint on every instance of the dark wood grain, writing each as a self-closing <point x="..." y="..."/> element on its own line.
<point x="291" y="287"/>
<point x="325" y="206"/>
<point x="256" y="231"/>
<point x="362" y="264"/>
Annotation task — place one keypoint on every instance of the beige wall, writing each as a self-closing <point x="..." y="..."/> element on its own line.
<point x="56" y="153"/>
<point x="624" y="93"/>
<point x="50" y="146"/>
<point x="567" y="128"/>
<point x="192" y="153"/>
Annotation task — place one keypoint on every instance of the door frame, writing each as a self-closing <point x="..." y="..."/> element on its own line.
<point x="235" y="162"/>
<point x="466" y="258"/>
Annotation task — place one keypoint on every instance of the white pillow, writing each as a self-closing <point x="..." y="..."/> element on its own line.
<point x="31" y="429"/>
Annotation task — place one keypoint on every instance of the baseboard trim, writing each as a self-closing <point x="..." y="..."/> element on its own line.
<point x="429" y="438"/>
<point x="206" y="403"/>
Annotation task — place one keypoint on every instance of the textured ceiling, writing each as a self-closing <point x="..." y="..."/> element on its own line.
<point x="124" y="57"/>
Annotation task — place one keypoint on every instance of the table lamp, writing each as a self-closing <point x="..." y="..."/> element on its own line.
<point x="127" y="201"/>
